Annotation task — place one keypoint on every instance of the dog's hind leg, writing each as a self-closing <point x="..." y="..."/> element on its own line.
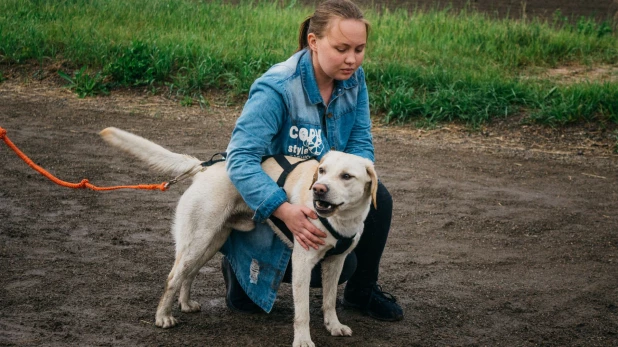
<point x="188" y="262"/>
<point x="331" y="270"/>
<point x="185" y="264"/>
<point x="184" y="298"/>
<point x="164" y="318"/>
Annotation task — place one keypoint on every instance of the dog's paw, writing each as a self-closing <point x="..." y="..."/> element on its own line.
<point x="190" y="306"/>
<point x="303" y="343"/>
<point x="339" y="330"/>
<point x="166" y="322"/>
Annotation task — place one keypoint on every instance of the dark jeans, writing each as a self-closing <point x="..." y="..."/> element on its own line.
<point x="362" y="266"/>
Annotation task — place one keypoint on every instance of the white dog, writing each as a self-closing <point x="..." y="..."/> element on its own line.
<point x="340" y="189"/>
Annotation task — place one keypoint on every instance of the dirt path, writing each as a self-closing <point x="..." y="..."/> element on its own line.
<point x="571" y="9"/>
<point x="504" y="237"/>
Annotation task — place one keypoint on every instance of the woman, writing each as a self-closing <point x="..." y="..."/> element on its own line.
<point x="314" y="102"/>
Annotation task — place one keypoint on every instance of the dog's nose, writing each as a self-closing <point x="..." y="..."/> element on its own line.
<point x="320" y="189"/>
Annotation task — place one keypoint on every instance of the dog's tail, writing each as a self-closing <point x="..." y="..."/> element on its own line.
<point x="156" y="156"/>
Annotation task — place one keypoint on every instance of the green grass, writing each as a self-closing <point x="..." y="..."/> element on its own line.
<point x="429" y="66"/>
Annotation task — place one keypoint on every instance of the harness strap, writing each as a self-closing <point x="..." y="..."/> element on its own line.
<point x="284" y="228"/>
<point x="286" y="166"/>
<point x="332" y="230"/>
<point x="343" y="243"/>
<point x="213" y="161"/>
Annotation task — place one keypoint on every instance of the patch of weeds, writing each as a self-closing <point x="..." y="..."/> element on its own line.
<point x="84" y="84"/>
<point x="588" y="26"/>
<point x="133" y="65"/>
<point x="559" y="20"/>
<point x="584" y="25"/>
<point x="203" y="102"/>
<point x="152" y="89"/>
<point x="2" y="79"/>
<point x="186" y="101"/>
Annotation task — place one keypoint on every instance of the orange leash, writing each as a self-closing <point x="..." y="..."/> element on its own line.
<point x="84" y="183"/>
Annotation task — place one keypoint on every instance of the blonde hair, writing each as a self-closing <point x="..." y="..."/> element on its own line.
<point x="318" y="22"/>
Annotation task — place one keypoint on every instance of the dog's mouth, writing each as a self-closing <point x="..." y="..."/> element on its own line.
<point x="325" y="208"/>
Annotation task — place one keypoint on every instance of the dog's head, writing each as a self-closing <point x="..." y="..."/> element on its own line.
<point x="343" y="182"/>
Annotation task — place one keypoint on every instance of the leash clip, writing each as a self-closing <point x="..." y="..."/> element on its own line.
<point x="191" y="172"/>
<point x="168" y="184"/>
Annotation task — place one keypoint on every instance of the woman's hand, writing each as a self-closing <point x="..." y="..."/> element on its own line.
<point x="296" y="219"/>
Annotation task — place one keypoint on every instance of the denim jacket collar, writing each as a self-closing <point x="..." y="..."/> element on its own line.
<point x="311" y="85"/>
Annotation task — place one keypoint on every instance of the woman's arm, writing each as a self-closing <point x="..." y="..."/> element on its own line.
<point x="259" y="122"/>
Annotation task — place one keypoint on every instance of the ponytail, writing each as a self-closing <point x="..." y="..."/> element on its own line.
<point x="302" y="34"/>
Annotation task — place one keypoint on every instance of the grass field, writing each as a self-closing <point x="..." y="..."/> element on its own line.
<point x="421" y="66"/>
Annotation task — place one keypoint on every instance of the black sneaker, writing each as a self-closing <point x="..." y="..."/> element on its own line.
<point x="235" y="297"/>
<point x="373" y="301"/>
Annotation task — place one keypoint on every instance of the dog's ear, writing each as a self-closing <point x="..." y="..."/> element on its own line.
<point x="374" y="185"/>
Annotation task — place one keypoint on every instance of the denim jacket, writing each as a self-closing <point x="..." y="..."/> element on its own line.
<point x="285" y="114"/>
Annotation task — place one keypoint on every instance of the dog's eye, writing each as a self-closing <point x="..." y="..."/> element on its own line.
<point x="346" y="176"/>
<point x="321" y="171"/>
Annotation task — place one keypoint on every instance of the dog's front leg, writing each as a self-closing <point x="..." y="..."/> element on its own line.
<point x="331" y="270"/>
<point x="302" y="263"/>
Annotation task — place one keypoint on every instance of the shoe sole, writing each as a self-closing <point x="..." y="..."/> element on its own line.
<point x="237" y="310"/>
<point x="367" y="312"/>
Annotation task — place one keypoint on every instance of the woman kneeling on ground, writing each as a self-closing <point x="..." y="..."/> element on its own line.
<point x="313" y="102"/>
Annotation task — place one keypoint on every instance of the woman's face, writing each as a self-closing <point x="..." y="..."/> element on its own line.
<point x="341" y="51"/>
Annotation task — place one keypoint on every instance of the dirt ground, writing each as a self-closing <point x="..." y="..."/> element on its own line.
<point x="503" y="237"/>
<point x="571" y="9"/>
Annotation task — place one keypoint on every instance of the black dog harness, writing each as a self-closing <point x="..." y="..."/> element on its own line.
<point x="343" y="243"/>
